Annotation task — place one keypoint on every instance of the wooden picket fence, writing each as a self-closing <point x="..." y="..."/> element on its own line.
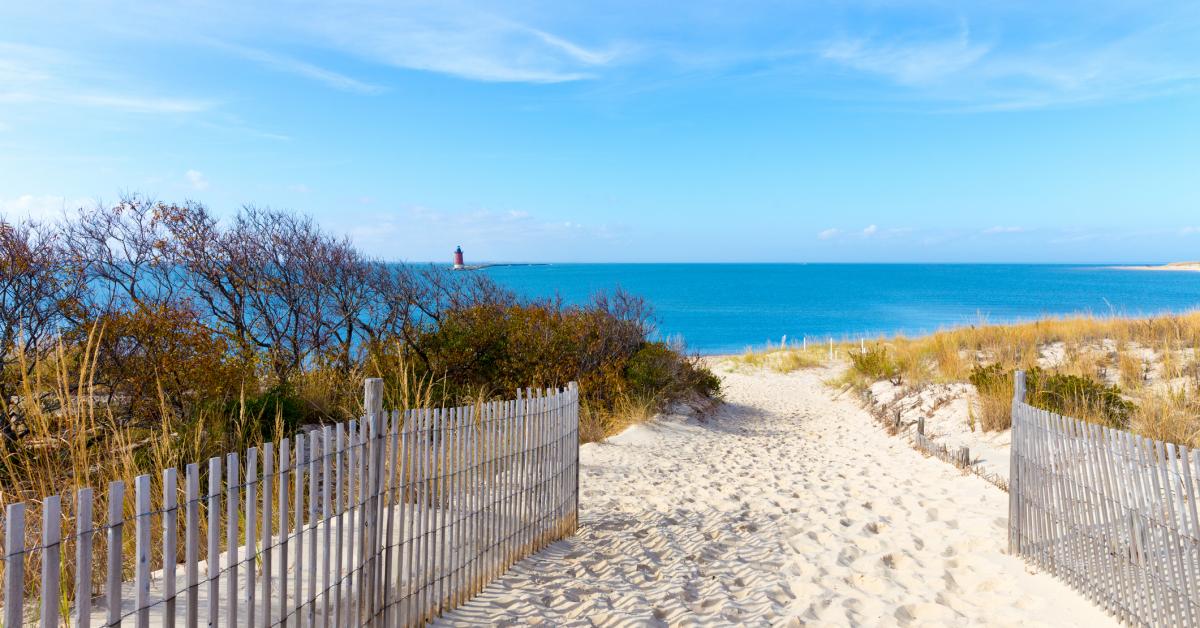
<point x="1110" y="512"/>
<point x="389" y="520"/>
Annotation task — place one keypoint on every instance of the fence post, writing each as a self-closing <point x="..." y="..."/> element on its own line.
<point x="51" y="553"/>
<point x="14" y="568"/>
<point x="170" y="521"/>
<point x="1014" y="464"/>
<point x="116" y="523"/>
<point x="141" y="528"/>
<point x="573" y="399"/>
<point x="85" y="529"/>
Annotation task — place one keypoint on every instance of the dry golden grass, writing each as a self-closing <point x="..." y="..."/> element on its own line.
<point x="1172" y="415"/>
<point x="597" y="424"/>
<point x="995" y="410"/>
<point x="949" y="355"/>
<point x="1132" y="369"/>
<point x="73" y="440"/>
<point x="783" y="359"/>
<point x="1153" y="360"/>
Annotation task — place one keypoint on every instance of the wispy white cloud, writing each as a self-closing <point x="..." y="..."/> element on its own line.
<point x="291" y="65"/>
<point x="460" y="39"/>
<point x="197" y="180"/>
<point x="1113" y="53"/>
<point x="962" y="57"/>
<point x="41" y="208"/>
<point x="998" y="229"/>
<point x="41" y="75"/>
<point x="416" y="231"/>
<point x="870" y="231"/>
<point x="909" y="62"/>
<point x="829" y="234"/>
<point x="137" y="104"/>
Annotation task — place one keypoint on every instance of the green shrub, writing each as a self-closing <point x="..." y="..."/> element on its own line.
<point x="876" y="364"/>
<point x="1068" y="395"/>
<point x="490" y="348"/>
<point x="991" y="378"/>
<point x="651" y="369"/>
<point x="706" y="382"/>
<point x="276" y="407"/>
<point x="1079" y="397"/>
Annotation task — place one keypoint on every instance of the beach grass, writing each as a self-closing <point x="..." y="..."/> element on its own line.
<point x="782" y="358"/>
<point x="1151" y="363"/>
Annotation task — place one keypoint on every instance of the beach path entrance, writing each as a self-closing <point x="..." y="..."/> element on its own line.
<point x="789" y="503"/>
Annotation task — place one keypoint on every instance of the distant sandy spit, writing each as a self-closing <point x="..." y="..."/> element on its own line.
<point x="1192" y="267"/>
<point x="787" y="506"/>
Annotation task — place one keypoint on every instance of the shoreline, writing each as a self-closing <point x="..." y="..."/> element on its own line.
<point x="1177" y="267"/>
<point x="846" y="340"/>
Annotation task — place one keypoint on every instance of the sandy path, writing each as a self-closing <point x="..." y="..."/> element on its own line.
<point x="787" y="507"/>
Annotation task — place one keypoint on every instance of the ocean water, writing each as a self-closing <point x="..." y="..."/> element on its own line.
<point x="722" y="308"/>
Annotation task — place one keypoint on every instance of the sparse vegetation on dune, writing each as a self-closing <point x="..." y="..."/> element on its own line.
<point x="1135" y="373"/>
<point x="1141" y="374"/>
<point x="783" y="358"/>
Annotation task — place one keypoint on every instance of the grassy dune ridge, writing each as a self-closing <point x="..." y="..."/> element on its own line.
<point x="1142" y="374"/>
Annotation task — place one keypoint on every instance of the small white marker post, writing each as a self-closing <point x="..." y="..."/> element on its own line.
<point x="804" y="342"/>
<point x="831" y="348"/>
<point x="862" y="345"/>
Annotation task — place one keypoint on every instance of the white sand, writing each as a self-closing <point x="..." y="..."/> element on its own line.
<point x="1173" y="266"/>
<point x="789" y="506"/>
<point x="947" y="421"/>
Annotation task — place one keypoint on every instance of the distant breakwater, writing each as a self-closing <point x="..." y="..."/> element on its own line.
<point x="483" y="266"/>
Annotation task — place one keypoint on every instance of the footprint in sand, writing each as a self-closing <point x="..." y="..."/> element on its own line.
<point x="677" y="530"/>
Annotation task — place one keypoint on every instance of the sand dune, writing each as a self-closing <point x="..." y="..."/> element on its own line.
<point x="1173" y="266"/>
<point x="788" y="506"/>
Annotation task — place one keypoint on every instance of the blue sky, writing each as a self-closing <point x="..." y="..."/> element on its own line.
<point x="628" y="131"/>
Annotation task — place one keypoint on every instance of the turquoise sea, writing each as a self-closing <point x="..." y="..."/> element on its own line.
<point x="721" y="308"/>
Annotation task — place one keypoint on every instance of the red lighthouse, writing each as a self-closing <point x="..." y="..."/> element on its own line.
<point x="458" y="258"/>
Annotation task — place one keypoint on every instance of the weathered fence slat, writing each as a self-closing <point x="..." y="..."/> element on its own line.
<point x="340" y="507"/>
<point x="232" y="503"/>
<point x="170" y="539"/>
<point x="14" y="565"/>
<point x="268" y="537"/>
<point x="297" y="530"/>
<point x="141" y="498"/>
<point x="351" y="603"/>
<point x="214" y="541"/>
<point x="326" y="517"/>
<point x="191" y="541"/>
<point x="85" y="528"/>
<point x="116" y="521"/>
<point x="250" y="489"/>
<point x="314" y="443"/>
<point x="51" y="537"/>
